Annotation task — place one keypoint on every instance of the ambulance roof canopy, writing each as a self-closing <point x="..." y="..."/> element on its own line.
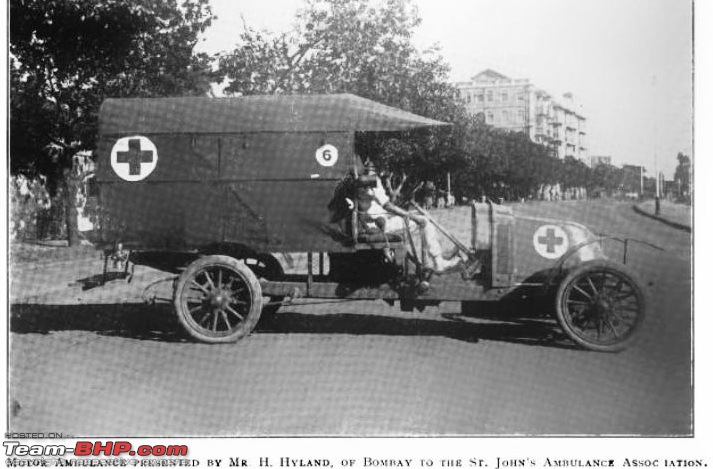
<point x="274" y="113"/>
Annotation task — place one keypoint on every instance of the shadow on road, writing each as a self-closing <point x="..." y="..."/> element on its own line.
<point x="158" y="323"/>
<point x="500" y="324"/>
<point x="135" y="321"/>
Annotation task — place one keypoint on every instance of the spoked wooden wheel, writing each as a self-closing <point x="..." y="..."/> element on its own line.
<point x="600" y="306"/>
<point x="218" y="299"/>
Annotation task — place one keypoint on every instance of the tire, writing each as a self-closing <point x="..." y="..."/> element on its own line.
<point x="600" y="306"/>
<point x="217" y="299"/>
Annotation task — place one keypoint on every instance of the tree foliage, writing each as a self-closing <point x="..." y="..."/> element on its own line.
<point x="68" y="56"/>
<point x="336" y="46"/>
<point x="682" y="176"/>
<point x="500" y="163"/>
<point x="608" y="178"/>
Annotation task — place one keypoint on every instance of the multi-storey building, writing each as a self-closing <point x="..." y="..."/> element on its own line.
<point x="518" y="105"/>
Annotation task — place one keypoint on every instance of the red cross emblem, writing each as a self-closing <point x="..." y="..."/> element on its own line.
<point x="134" y="158"/>
<point x="550" y="241"/>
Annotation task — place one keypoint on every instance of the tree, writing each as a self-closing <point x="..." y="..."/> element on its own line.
<point x="575" y="173"/>
<point x="682" y="176"/>
<point x="68" y="56"/>
<point x="608" y="178"/>
<point x="336" y="46"/>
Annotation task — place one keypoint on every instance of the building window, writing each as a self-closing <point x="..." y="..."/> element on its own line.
<point x="480" y="98"/>
<point x="489" y="117"/>
<point x="490" y="96"/>
<point x="521" y="96"/>
<point x="505" y="96"/>
<point x="467" y="99"/>
<point x="506" y="117"/>
<point x="521" y="116"/>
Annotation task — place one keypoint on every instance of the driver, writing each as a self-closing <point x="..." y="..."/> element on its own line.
<point x="374" y="206"/>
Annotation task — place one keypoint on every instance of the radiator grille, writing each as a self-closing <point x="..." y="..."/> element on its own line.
<point x="504" y="258"/>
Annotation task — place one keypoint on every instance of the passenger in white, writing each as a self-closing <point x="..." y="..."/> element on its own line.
<point x="374" y="207"/>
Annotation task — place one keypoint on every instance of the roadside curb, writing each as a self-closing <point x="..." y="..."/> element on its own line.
<point x="661" y="219"/>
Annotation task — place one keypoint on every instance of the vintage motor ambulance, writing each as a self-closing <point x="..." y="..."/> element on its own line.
<point x="211" y="189"/>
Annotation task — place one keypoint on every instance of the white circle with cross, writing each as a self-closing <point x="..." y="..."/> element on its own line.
<point x="134" y="158"/>
<point x="550" y="241"/>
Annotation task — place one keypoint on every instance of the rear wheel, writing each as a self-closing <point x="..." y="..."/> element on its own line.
<point x="217" y="299"/>
<point x="600" y="306"/>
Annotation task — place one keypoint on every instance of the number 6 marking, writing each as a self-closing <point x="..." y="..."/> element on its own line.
<point x="327" y="155"/>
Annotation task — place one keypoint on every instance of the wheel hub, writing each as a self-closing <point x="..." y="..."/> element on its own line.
<point x="219" y="298"/>
<point x="603" y="305"/>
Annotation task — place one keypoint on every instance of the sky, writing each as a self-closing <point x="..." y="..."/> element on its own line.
<point x="627" y="62"/>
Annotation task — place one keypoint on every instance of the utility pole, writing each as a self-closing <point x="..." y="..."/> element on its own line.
<point x="657" y="200"/>
<point x="657" y="197"/>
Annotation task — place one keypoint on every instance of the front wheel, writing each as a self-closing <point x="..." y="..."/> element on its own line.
<point x="600" y="306"/>
<point x="218" y="299"/>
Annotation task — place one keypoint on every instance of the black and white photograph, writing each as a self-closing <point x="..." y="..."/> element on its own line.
<point x="351" y="218"/>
